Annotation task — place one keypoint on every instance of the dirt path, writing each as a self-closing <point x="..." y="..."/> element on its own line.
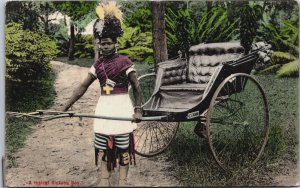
<point x="289" y="174"/>
<point x="290" y="178"/>
<point x="61" y="153"/>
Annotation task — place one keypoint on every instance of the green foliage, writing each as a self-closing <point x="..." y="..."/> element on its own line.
<point x="281" y="10"/>
<point x="214" y="26"/>
<point x="80" y="12"/>
<point x="281" y="57"/>
<point x="27" y="53"/>
<point x="290" y="69"/>
<point x="277" y="60"/>
<point x="250" y="21"/>
<point x="23" y="12"/>
<point x="278" y="142"/>
<point x="29" y="96"/>
<point x="76" y="9"/>
<point x="285" y="38"/>
<point x="59" y="32"/>
<point x="33" y="15"/>
<point x="278" y="56"/>
<point x="197" y="8"/>
<point x="130" y="7"/>
<point x="270" y="69"/>
<point x="181" y="30"/>
<point x="136" y="44"/>
<point x="141" y="18"/>
<point x="136" y="53"/>
<point x="85" y="20"/>
<point x="84" y="46"/>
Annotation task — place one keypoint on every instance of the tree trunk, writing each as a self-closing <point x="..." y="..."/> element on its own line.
<point x="46" y="18"/>
<point x="71" y="43"/>
<point x="208" y="4"/>
<point x="46" y="23"/>
<point x="159" y="34"/>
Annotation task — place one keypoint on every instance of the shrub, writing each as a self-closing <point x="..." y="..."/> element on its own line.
<point x="84" y="46"/>
<point x="251" y="14"/>
<point x="141" y="18"/>
<point x="59" y="32"/>
<point x="290" y="69"/>
<point x="282" y="64"/>
<point x="136" y="44"/>
<point x="284" y="40"/>
<point x="27" y="53"/>
<point x="183" y="30"/>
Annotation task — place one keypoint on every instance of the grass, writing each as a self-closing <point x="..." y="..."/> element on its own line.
<point x="24" y="97"/>
<point x="193" y="162"/>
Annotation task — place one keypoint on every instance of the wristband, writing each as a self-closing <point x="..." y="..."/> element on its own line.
<point x="137" y="107"/>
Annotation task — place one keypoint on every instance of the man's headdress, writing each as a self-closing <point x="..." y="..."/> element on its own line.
<point x="109" y="23"/>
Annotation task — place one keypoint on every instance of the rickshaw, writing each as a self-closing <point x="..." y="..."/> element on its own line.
<point x="213" y="86"/>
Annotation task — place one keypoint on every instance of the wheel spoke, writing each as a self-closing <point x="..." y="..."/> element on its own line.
<point x="155" y="137"/>
<point x="141" y="128"/>
<point x="152" y="137"/>
<point x="237" y="122"/>
<point x="163" y="135"/>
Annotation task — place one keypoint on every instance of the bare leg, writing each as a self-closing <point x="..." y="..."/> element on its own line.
<point x="104" y="174"/>
<point x="124" y="167"/>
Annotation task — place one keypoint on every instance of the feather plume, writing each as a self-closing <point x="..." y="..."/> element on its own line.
<point x="100" y="12"/>
<point x="109" y="10"/>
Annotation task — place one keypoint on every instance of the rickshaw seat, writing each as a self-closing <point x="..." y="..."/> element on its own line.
<point x="184" y="87"/>
<point x="180" y="84"/>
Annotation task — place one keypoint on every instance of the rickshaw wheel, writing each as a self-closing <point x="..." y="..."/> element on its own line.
<point x="237" y="122"/>
<point x="152" y="137"/>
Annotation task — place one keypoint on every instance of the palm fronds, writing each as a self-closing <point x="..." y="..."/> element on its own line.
<point x="284" y="38"/>
<point x="136" y="44"/>
<point x="250" y="20"/>
<point x="282" y="57"/>
<point x="183" y="32"/>
<point x="289" y="69"/>
<point x="215" y="26"/>
<point x="270" y="69"/>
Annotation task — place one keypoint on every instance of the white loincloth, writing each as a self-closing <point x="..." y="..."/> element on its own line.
<point x="117" y="105"/>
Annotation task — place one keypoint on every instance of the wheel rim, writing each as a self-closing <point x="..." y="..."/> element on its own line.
<point x="152" y="137"/>
<point x="238" y="122"/>
<point x="147" y="84"/>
